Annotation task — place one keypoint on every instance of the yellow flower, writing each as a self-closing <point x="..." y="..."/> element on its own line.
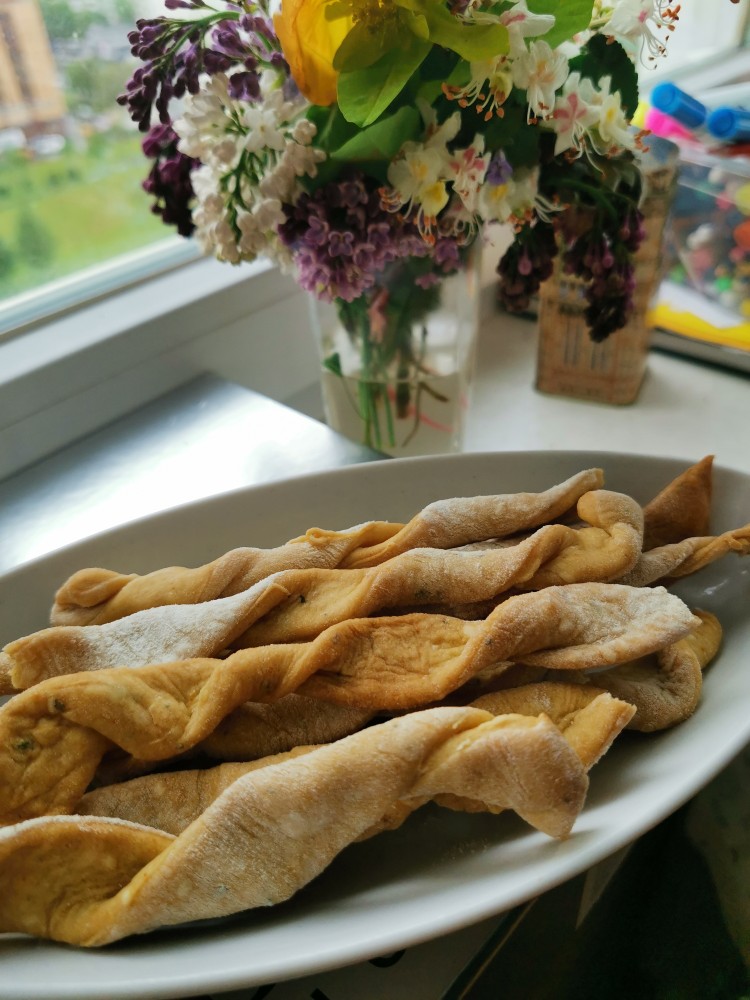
<point x="309" y="41"/>
<point x="322" y="38"/>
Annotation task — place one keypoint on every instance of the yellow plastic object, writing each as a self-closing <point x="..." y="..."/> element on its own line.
<point x="689" y="325"/>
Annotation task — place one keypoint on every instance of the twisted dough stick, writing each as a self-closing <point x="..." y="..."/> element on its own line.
<point x="671" y="562"/>
<point x="297" y="605"/>
<point x="682" y="509"/>
<point x="92" y="881"/>
<point x="95" y="596"/>
<point x="554" y="555"/>
<point x="256" y="730"/>
<point x="590" y="719"/>
<point x="665" y="688"/>
<point x="53" y="735"/>
<point x="170" y="801"/>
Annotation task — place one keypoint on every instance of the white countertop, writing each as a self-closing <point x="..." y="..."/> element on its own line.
<point x="685" y="409"/>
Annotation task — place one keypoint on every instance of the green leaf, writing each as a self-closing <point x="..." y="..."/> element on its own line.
<point x="364" y="94"/>
<point x="441" y="66"/>
<point x="512" y="133"/>
<point x="333" y="364"/>
<point x="473" y="42"/>
<point x="362" y="47"/>
<point x="600" y="58"/>
<point x="333" y="129"/>
<point x="571" y="16"/>
<point x="382" y="140"/>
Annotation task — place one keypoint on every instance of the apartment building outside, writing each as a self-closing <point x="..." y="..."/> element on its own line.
<point x="30" y="96"/>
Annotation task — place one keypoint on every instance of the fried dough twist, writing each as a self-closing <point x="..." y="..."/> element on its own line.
<point x="665" y="688"/>
<point x="170" y="801"/>
<point x="297" y="605"/>
<point x="682" y="509"/>
<point x="53" y="735"/>
<point x="90" y="881"/>
<point x="680" y="559"/>
<point x="94" y="596"/>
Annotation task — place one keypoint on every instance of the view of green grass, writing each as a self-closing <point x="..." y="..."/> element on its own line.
<point x="72" y="211"/>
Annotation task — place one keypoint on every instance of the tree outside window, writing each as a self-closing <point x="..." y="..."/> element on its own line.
<point x="71" y="165"/>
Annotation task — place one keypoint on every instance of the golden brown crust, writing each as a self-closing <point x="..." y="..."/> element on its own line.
<point x="6" y="684"/>
<point x="589" y="718"/>
<point x="461" y="520"/>
<point x="53" y="736"/>
<point x="251" y="731"/>
<point x="96" y="596"/>
<point x="285" y="823"/>
<point x="553" y="555"/>
<point x="170" y="801"/>
<point x="297" y="605"/>
<point x="83" y="600"/>
<point x="672" y="562"/>
<point x="665" y="688"/>
<point x="682" y="509"/>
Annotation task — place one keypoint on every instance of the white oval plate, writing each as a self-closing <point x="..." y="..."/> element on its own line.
<point x="442" y="870"/>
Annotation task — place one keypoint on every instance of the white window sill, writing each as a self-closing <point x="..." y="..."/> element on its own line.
<point x="73" y="374"/>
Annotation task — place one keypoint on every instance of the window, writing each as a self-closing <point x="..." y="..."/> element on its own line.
<point x="72" y="210"/>
<point x="71" y="165"/>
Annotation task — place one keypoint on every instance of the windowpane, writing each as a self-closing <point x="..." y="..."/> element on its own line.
<point x="71" y="165"/>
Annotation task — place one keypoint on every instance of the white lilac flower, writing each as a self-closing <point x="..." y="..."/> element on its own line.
<point x="303" y="131"/>
<point x="572" y="117"/>
<point x="302" y="160"/>
<point x="263" y="131"/>
<point x="268" y="213"/>
<point x="205" y="118"/>
<point x="252" y="240"/>
<point x="540" y="72"/>
<point x="639" y="20"/>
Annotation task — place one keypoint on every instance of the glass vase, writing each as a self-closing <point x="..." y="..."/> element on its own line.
<point x="397" y="363"/>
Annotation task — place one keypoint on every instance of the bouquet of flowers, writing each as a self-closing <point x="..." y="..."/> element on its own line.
<point x="365" y="145"/>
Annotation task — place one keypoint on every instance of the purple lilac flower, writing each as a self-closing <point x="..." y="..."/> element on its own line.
<point x="169" y="179"/>
<point x="175" y="52"/>
<point x="342" y="239"/>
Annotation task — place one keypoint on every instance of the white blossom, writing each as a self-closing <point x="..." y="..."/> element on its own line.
<point x="204" y="120"/>
<point x="613" y="126"/>
<point x="521" y="24"/>
<point x="489" y="85"/>
<point x="263" y="130"/>
<point x="639" y="20"/>
<point x="540" y="72"/>
<point x="417" y="168"/>
<point x="468" y="169"/>
<point x="611" y="131"/>
<point x="572" y="117"/>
